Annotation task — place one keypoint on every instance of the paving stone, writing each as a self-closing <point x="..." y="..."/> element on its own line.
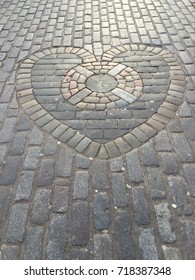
<point x="82" y="162"/>
<point x="3" y="152"/>
<point x="116" y="164"/>
<point x="187" y="229"/>
<point x="10" y="252"/>
<point x="64" y="163"/>
<point x="182" y="148"/>
<point x="119" y="190"/>
<point x="50" y="147"/>
<point x="169" y="163"/>
<point x="58" y="237"/>
<point x="80" y="224"/>
<point x="100" y="175"/>
<point x="135" y="173"/>
<point x="6" y="133"/>
<point x="141" y="209"/>
<point x="101" y="211"/>
<point x="189" y="127"/>
<point x="24" y="188"/>
<point x="24" y="123"/>
<point x="32" y="158"/>
<point x="124" y="240"/>
<point x="172" y="253"/>
<point x="3" y="108"/>
<point x="147" y="245"/>
<point x="35" y="137"/>
<point x="46" y="172"/>
<point x="185" y="110"/>
<point x="34" y="242"/>
<point x="60" y="199"/>
<point x="102" y="247"/>
<point x="10" y="171"/>
<point x="175" y="126"/>
<point x="5" y="198"/>
<point x="189" y="171"/>
<point x="18" y="144"/>
<point x="155" y="183"/>
<point x="149" y="155"/>
<point x="79" y="254"/>
<point x="180" y="198"/>
<point x="40" y="212"/>
<point x="164" y="219"/>
<point x="17" y="223"/>
<point x="81" y="185"/>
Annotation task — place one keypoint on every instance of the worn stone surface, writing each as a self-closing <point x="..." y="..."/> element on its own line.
<point x="105" y="170"/>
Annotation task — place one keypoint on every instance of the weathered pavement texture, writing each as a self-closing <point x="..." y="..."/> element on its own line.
<point x="97" y="129"/>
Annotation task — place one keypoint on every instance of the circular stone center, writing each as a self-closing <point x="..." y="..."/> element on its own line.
<point x="101" y="83"/>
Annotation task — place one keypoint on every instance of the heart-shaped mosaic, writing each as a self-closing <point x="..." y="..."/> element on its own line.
<point x="101" y="108"/>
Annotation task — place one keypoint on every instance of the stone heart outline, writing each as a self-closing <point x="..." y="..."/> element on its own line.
<point x="81" y="143"/>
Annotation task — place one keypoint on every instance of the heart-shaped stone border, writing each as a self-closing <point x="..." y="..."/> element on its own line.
<point x="82" y="143"/>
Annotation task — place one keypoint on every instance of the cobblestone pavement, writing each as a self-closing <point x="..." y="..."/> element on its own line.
<point x="97" y="129"/>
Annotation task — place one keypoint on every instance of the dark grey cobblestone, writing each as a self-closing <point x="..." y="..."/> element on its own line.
<point x="34" y="243"/>
<point x="164" y="219"/>
<point x="149" y="155"/>
<point x="10" y="252"/>
<point x="171" y="253"/>
<point x="81" y="185"/>
<point x="169" y="163"/>
<point x="134" y="167"/>
<point x="142" y="215"/>
<point x="183" y="148"/>
<point x="155" y="183"/>
<point x="37" y="31"/>
<point x="119" y="190"/>
<point x="60" y="198"/>
<point x="40" y="212"/>
<point x="6" y="132"/>
<point x="189" y="171"/>
<point x="80" y="224"/>
<point x="102" y="247"/>
<point x="17" y="223"/>
<point x="187" y="229"/>
<point x="64" y="163"/>
<point x="5" y="197"/>
<point x="101" y="211"/>
<point x="124" y="240"/>
<point x="147" y="245"/>
<point x="58" y="234"/>
<point x="25" y="186"/>
<point x="100" y="175"/>
<point x="46" y="173"/>
<point x="32" y="158"/>
<point x="178" y="190"/>
<point x="18" y="144"/>
<point x="10" y="172"/>
<point x="79" y="254"/>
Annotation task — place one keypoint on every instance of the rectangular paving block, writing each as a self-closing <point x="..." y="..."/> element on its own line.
<point x="58" y="237"/>
<point x="34" y="243"/>
<point x="80" y="224"/>
<point x="102" y="247"/>
<point x="17" y="223"/>
<point x="119" y="190"/>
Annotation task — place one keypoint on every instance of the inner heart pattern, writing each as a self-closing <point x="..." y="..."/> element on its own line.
<point x="101" y="108"/>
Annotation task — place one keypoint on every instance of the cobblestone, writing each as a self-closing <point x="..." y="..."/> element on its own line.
<point x="58" y="234"/>
<point x="164" y="219"/>
<point x="147" y="246"/>
<point x="40" y="213"/>
<point x="102" y="247"/>
<point x="124" y="240"/>
<point x="100" y="170"/>
<point x="79" y="227"/>
<point x="34" y="241"/>
<point x="17" y="222"/>
<point x="142" y="215"/>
